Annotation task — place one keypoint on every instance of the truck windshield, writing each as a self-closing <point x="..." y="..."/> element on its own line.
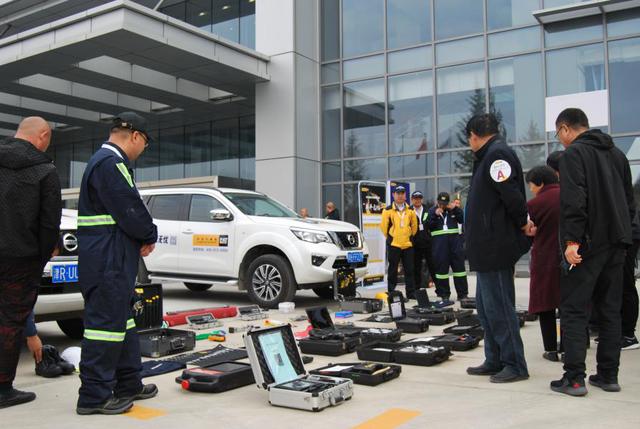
<point x="259" y="205"/>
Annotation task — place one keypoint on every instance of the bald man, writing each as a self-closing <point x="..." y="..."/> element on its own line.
<point x="30" y="210"/>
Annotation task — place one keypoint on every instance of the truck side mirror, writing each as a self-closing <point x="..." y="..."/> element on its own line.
<point x="221" y="215"/>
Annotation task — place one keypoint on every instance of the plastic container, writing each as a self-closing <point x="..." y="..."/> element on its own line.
<point x="286" y="307"/>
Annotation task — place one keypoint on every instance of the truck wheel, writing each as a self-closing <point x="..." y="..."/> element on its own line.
<point x="271" y="281"/>
<point x="197" y="287"/>
<point x="72" y="328"/>
<point x="324" y="292"/>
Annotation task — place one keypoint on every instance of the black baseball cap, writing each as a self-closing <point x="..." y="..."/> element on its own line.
<point x="443" y="197"/>
<point x="400" y="189"/>
<point x="131" y="121"/>
<point x="417" y="194"/>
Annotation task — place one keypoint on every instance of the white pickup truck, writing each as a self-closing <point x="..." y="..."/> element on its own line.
<point x="212" y="236"/>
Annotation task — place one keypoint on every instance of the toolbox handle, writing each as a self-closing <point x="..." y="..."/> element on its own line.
<point x="177" y="344"/>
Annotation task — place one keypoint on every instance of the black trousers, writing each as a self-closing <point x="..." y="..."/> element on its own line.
<point x="423" y="254"/>
<point x="598" y="279"/>
<point x="549" y="330"/>
<point x="629" y="292"/>
<point x="395" y="256"/>
<point x="19" y="283"/>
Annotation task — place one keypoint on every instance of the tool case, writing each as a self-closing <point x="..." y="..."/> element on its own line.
<point x="380" y="334"/>
<point x="365" y="373"/>
<point x="361" y="305"/>
<point x="329" y="347"/>
<point x="420" y="354"/>
<point x="278" y="368"/>
<point x="473" y="330"/>
<point x="413" y="326"/>
<point x="379" y="318"/>
<point x="147" y="306"/>
<point x="378" y="351"/>
<point x="217" y="378"/>
<point x="524" y="314"/>
<point x="457" y="343"/>
<point x="163" y="342"/>
<point x="467" y="319"/>
<point x="436" y="317"/>
<point x="469" y="302"/>
<point x="174" y="318"/>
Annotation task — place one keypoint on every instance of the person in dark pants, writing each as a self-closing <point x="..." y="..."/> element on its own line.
<point x="629" y="292"/>
<point x="114" y="230"/>
<point x="597" y="207"/>
<point x="399" y="225"/>
<point x="422" y="243"/>
<point x="496" y="223"/>
<point x="544" y="286"/>
<point x="332" y="212"/>
<point x="445" y="223"/>
<point x="30" y="210"/>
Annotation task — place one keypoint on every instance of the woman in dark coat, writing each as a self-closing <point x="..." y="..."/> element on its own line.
<point x="544" y="288"/>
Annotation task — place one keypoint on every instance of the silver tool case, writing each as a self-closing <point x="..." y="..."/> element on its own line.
<point x="302" y="391"/>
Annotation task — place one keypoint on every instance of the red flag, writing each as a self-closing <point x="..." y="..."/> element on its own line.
<point x="423" y="146"/>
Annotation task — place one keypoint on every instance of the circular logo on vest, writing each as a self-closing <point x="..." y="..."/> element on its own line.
<point x="500" y="170"/>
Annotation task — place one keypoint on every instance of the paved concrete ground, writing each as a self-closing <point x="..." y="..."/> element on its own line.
<point x="441" y="396"/>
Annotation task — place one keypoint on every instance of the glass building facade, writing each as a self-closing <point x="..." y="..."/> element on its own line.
<point x="400" y="78"/>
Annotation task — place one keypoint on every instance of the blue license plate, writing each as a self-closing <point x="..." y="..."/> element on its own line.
<point x="355" y="257"/>
<point x="64" y="273"/>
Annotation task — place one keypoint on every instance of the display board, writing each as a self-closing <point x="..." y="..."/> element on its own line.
<point x="371" y="202"/>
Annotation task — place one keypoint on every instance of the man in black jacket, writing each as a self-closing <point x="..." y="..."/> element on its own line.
<point x="30" y="210"/>
<point x="496" y="222"/>
<point x="597" y="207"/>
<point x="332" y="212"/>
<point x="421" y="243"/>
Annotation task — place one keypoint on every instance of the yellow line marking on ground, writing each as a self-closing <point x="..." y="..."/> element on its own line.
<point x="390" y="419"/>
<point x="144" y="413"/>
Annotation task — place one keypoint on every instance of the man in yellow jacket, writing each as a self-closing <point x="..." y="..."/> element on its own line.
<point x="399" y="225"/>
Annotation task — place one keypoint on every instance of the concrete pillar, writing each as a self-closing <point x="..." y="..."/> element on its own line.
<point x="287" y="107"/>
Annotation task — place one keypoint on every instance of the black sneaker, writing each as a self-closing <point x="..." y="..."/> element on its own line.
<point x="551" y="356"/>
<point x="507" y="376"/>
<point x="483" y="369"/>
<point x="630" y="343"/>
<point x="148" y="391"/>
<point x="606" y="385"/>
<point x="15" y="397"/>
<point x="112" y="407"/>
<point x="48" y="367"/>
<point x="67" y="368"/>
<point x="568" y="387"/>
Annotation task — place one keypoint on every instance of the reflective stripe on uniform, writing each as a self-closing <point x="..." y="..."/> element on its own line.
<point x="97" y="335"/>
<point x="442" y="276"/>
<point x="131" y="324"/>
<point x="461" y="274"/>
<point x="97" y="220"/>
<point x="445" y="231"/>
<point x="125" y="172"/>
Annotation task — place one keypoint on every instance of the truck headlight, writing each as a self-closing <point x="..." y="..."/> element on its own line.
<point x="312" y="236"/>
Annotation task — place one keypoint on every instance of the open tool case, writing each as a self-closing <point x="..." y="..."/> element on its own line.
<point x="278" y="369"/>
<point x="366" y="373"/>
<point x="435" y="316"/>
<point x="457" y="343"/>
<point x="410" y="353"/>
<point x="361" y="305"/>
<point x="162" y="342"/>
<point x="216" y="378"/>
<point x="327" y="339"/>
<point x="473" y="330"/>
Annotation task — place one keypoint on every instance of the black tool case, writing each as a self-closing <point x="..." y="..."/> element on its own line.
<point x="160" y="342"/>
<point x="361" y="305"/>
<point x="436" y="317"/>
<point x="420" y="353"/>
<point x="365" y="373"/>
<point x="378" y="351"/>
<point x="329" y="347"/>
<point x="217" y="378"/>
<point x="379" y="318"/>
<point x="380" y="334"/>
<point x="467" y="319"/>
<point x="413" y="326"/>
<point x="469" y="302"/>
<point x="524" y="314"/>
<point x="473" y="330"/>
<point x="147" y="306"/>
<point x="457" y="343"/>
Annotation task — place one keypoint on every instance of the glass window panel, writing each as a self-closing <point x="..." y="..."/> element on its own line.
<point x="517" y="96"/>
<point x="427" y="187"/>
<point x="171" y="153"/>
<point x="199" y="14"/>
<point x="226" y="19"/>
<point x="412" y="166"/>
<point x="455" y="162"/>
<point x="331" y="122"/>
<point x="166" y="207"/>
<point x="330" y="193"/>
<point x="332" y="172"/>
<point x="630" y="146"/>
<point x="624" y="69"/>
<point x="248" y="23"/>
<point x="201" y="206"/>
<point x="410" y="59"/>
<point x="531" y="155"/>
<point x="557" y="3"/>
<point x="455" y="186"/>
<point x="198" y="150"/>
<point x="623" y="23"/>
<point x="461" y="94"/>
<point x="63" y="159"/>
<point x="511" y="42"/>
<point x="330" y="29"/>
<point x="408" y="22"/>
<point x="177" y="10"/>
<point x="363" y="67"/>
<point x="510" y="13"/>
<point x="635" y="177"/>
<point x="575" y="70"/>
<point x="81" y="154"/>
<point x="351" y="212"/>
<point x="364" y="118"/>
<point x="330" y="73"/>
<point x="248" y="147"/>
<point x="362" y="27"/>
<point x="573" y="31"/>
<point x="460" y="50"/>
<point x="226" y="148"/>
<point x="365" y="169"/>
<point x="148" y="165"/>
<point x="458" y="17"/>
<point x="411" y="112"/>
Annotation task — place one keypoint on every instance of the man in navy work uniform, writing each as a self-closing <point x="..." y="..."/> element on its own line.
<point x="445" y="221"/>
<point x="496" y="225"/>
<point x="114" y="230"/>
<point x="421" y="242"/>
